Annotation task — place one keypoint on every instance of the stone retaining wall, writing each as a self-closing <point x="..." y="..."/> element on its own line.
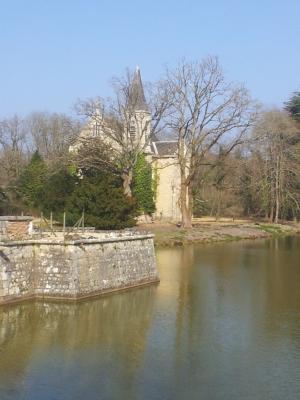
<point x="74" y="269"/>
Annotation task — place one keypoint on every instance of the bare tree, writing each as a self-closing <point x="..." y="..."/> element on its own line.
<point x="13" y="142"/>
<point x="276" y="135"/>
<point x="51" y="134"/>
<point x="120" y="129"/>
<point x="206" y="112"/>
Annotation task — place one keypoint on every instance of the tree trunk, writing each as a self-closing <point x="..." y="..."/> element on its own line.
<point x="219" y="199"/>
<point x="272" y="196"/>
<point x="271" y="218"/>
<point x="127" y="180"/>
<point x="277" y="207"/>
<point x="277" y="190"/>
<point x="190" y="201"/>
<point x="186" y="217"/>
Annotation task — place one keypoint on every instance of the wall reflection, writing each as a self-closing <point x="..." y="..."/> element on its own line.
<point x="115" y="325"/>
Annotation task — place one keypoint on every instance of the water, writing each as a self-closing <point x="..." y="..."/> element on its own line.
<point x="224" y="323"/>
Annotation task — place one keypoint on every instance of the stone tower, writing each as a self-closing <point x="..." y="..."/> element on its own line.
<point x="139" y="113"/>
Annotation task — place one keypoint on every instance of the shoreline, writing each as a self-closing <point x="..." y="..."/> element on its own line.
<point x="205" y="232"/>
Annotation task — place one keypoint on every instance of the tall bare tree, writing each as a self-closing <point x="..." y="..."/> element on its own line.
<point x="206" y="111"/>
<point x="276" y="136"/>
<point x="51" y="134"/>
<point x="119" y="129"/>
<point x="13" y="142"/>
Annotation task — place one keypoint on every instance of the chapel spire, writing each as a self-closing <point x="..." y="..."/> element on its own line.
<point x="137" y="98"/>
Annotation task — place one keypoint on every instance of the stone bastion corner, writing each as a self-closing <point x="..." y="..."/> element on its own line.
<point x="51" y="268"/>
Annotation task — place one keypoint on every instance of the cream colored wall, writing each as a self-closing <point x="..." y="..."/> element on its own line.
<point x="142" y="122"/>
<point x="168" y="189"/>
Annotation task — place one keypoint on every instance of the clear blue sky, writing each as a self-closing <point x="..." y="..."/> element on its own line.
<point x="55" y="51"/>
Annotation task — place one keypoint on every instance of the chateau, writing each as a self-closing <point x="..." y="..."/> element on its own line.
<point x="163" y="157"/>
<point x="161" y="154"/>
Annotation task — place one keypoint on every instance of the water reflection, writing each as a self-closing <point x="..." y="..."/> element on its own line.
<point x="37" y="336"/>
<point x="237" y="329"/>
<point x="224" y="323"/>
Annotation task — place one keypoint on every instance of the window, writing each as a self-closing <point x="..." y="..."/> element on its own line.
<point x="96" y="129"/>
<point x="132" y="131"/>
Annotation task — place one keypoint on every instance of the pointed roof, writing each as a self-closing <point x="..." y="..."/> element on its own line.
<point x="137" y="98"/>
<point x="165" y="148"/>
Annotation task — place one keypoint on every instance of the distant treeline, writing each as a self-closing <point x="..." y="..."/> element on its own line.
<point x="261" y="177"/>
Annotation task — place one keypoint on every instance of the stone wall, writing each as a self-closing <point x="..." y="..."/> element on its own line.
<point x="168" y="189"/>
<point x="74" y="269"/>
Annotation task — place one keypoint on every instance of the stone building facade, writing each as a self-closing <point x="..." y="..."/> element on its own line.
<point x="165" y="166"/>
<point x="161" y="154"/>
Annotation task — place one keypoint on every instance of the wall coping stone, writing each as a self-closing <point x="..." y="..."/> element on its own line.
<point x="15" y="218"/>
<point x="76" y="242"/>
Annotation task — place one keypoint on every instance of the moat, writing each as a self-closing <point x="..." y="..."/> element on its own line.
<point x="223" y="323"/>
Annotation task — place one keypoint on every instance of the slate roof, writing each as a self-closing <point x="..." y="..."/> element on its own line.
<point x="137" y="98"/>
<point x="165" y="148"/>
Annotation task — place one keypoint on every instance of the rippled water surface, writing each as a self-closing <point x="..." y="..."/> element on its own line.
<point x="224" y="323"/>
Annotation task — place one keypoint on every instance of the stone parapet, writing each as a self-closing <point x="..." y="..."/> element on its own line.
<point x="74" y="269"/>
